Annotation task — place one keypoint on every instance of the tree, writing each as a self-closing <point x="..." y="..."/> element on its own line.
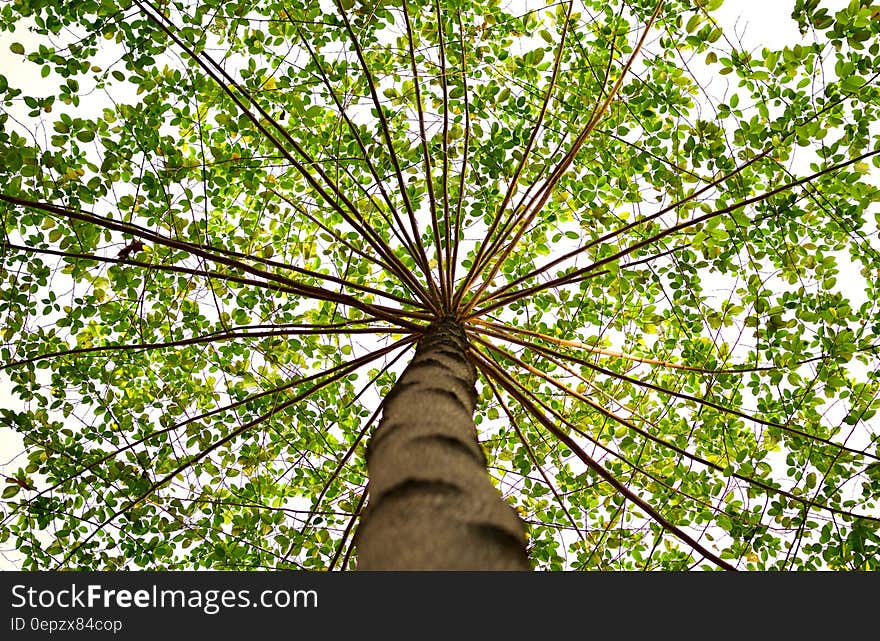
<point x="638" y="258"/>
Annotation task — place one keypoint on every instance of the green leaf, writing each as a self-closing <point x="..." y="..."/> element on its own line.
<point x="852" y="84"/>
<point x="11" y="491"/>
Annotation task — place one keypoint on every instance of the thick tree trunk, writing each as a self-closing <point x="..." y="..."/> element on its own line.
<point x="432" y="505"/>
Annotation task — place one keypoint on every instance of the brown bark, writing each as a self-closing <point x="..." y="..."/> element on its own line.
<point x="432" y="505"/>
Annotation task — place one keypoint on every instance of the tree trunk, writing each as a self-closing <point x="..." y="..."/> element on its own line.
<point x="432" y="505"/>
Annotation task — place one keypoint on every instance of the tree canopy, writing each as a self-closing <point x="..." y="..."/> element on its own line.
<point x="226" y="223"/>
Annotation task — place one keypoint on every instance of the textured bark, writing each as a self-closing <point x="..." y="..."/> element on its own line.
<point x="432" y="505"/>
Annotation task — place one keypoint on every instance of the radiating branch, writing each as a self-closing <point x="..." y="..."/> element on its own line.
<point x="593" y="349"/>
<point x="303" y="289"/>
<point x="533" y="208"/>
<point x="225" y="82"/>
<point x="504" y="380"/>
<point x="659" y="441"/>
<point x="405" y="240"/>
<point x="584" y="272"/>
<point x="420" y="257"/>
<point x="489" y="246"/>
<point x="334" y="373"/>
<point x="426" y="154"/>
<point x="342" y="372"/>
<point x="255" y="331"/>
<point x="681" y="395"/>
<point x="512" y="285"/>
<point x="534" y="459"/>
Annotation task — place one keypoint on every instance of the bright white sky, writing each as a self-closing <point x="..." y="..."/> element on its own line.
<point x="755" y="23"/>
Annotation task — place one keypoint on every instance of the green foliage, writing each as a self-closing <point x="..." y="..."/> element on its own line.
<point x="226" y="222"/>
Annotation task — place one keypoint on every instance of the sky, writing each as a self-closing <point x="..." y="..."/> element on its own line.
<point x="755" y="23"/>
